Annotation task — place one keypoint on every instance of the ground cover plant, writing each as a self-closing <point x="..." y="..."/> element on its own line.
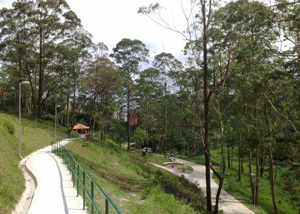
<point x="36" y="134"/>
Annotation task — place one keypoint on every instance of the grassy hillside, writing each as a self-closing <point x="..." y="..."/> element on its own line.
<point x="135" y="185"/>
<point x="35" y="135"/>
<point x="241" y="189"/>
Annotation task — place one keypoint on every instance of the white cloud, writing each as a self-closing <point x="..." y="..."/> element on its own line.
<point x="112" y="20"/>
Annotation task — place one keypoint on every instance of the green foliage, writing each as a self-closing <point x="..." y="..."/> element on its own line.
<point x="286" y="184"/>
<point x="181" y="188"/>
<point x="131" y="181"/>
<point x="139" y="136"/>
<point x="252" y="84"/>
<point x="74" y="134"/>
<point x="129" y="54"/>
<point x="35" y="135"/>
<point x="10" y="128"/>
<point x="49" y="117"/>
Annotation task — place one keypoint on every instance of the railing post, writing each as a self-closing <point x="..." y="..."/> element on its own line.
<point x="75" y="168"/>
<point x="83" y="190"/>
<point x="92" y="194"/>
<point x="106" y="206"/>
<point x="73" y="172"/>
<point x="78" y="176"/>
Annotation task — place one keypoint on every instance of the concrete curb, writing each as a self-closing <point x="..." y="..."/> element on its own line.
<point x="35" y="184"/>
<point x="22" y="207"/>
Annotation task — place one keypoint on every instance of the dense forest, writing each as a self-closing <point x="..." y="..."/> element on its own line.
<point x="237" y="93"/>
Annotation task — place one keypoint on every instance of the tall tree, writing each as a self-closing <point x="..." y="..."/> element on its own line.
<point x="52" y="20"/>
<point x="167" y="63"/>
<point x="16" y="40"/>
<point x="129" y="54"/>
<point x="149" y="95"/>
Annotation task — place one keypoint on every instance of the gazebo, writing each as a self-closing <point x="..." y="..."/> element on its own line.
<point x="82" y="129"/>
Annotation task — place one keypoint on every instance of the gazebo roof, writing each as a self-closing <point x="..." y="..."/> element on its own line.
<point x="80" y="126"/>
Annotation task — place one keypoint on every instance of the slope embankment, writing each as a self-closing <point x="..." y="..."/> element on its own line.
<point x="35" y="135"/>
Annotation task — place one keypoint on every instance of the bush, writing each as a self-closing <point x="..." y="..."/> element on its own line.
<point x="48" y="117"/>
<point x="10" y="128"/>
<point x="182" y="189"/>
<point x="139" y="136"/>
<point x="74" y="134"/>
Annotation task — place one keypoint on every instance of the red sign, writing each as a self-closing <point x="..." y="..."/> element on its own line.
<point x="132" y="117"/>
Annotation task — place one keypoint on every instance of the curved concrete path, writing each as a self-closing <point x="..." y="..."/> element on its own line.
<point x="228" y="204"/>
<point x="54" y="193"/>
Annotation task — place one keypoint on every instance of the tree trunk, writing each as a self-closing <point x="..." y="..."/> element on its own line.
<point x="240" y="159"/>
<point x="128" y="118"/>
<point x="272" y="180"/>
<point x="166" y="118"/>
<point x="271" y="173"/>
<point x="68" y="111"/>
<point x="262" y="165"/>
<point x="206" y="111"/>
<point x="33" y="91"/>
<point x="228" y="156"/>
<point x="74" y="102"/>
<point x="257" y="176"/>
<point x="231" y="160"/>
<point x="41" y="78"/>
<point x="251" y="178"/>
<point x="221" y="178"/>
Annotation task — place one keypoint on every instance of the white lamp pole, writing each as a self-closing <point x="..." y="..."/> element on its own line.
<point x="20" y="107"/>
<point x="55" y="119"/>
<point x="56" y="106"/>
<point x="20" y="94"/>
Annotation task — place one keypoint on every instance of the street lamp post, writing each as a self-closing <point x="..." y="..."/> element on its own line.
<point x="56" y="106"/>
<point x="20" y="107"/>
<point x="55" y="120"/>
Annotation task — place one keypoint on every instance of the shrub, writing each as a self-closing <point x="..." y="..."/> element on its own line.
<point x="73" y="134"/>
<point x="48" y="117"/>
<point x="139" y="136"/>
<point x="182" y="189"/>
<point x="10" y="128"/>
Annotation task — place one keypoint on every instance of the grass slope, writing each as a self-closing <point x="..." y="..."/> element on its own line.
<point x="135" y="185"/>
<point x="35" y="135"/>
<point x="241" y="189"/>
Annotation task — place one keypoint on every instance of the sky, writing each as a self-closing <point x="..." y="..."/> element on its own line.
<point x="109" y="21"/>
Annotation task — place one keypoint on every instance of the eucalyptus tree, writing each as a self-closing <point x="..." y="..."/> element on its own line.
<point x="16" y="40"/>
<point x="103" y="85"/>
<point x="166" y="63"/>
<point x="51" y="21"/>
<point x="149" y="96"/>
<point x="288" y="61"/>
<point x="199" y="18"/>
<point x="251" y="25"/>
<point x="129" y="54"/>
<point x="68" y="65"/>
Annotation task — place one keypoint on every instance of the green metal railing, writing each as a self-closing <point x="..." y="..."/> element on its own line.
<point x="81" y="178"/>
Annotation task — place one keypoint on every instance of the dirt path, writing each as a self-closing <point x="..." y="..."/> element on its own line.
<point x="228" y="204"/>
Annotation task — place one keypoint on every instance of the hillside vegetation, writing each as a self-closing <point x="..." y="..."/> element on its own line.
<point x="135" y="185"/>
<point x="35" y="135"/>
<point x="286" y="197"/>
<point x="232" y="85"/>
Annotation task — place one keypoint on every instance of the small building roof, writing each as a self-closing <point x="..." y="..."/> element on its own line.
<point x="80" y="126"/>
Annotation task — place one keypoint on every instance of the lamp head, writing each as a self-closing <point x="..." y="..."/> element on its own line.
<point x="25" y="82"/>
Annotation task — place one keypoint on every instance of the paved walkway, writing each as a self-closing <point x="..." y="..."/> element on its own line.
<point x="228" y="204"/>
<point x="54" y="193"/>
